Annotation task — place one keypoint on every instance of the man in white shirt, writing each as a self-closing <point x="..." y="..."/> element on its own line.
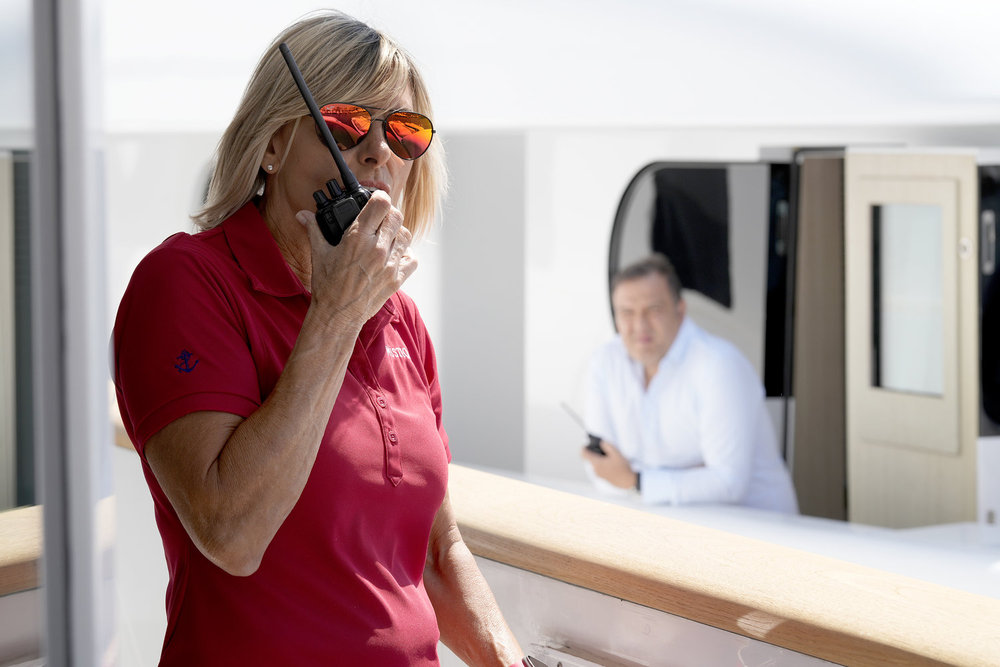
<point x="680" y="412"/>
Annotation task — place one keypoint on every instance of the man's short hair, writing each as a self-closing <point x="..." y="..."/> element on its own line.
<point x="653" y="264"/>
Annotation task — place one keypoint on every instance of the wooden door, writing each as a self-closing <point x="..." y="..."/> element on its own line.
<point x="911" y="331"/>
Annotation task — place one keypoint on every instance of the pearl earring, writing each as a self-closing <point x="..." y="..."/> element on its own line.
<point x="270" y="167"/>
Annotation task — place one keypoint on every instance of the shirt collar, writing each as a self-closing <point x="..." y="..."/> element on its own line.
<point x="385" y="315"/>
<point x="682" y="341"/>
<point x="257" y="253"/>
<point x="685" y="333"/>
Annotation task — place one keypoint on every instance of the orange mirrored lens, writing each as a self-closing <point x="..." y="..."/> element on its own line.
<point x="348" y="123"/>
<point x="407" y="133"/>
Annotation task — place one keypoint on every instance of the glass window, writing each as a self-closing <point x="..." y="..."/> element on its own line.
<point x="20" y="526"/>
<point x="907" y="280"/>
<point x="16" y="455"/>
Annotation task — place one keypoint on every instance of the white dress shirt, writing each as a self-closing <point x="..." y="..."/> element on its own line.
<point x="699" y="433"/>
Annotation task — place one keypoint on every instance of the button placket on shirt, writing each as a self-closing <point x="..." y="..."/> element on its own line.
<point x="383" y="410"/>
<point x="370" y="339"/>
<point x="390" y="439"/>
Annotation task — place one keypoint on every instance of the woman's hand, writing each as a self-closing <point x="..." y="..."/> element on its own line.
<point x="355" y="278"/>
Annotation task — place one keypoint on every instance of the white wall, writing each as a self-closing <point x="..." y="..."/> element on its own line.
<point x="559" y="63"/>
<point x="480" y="305"/>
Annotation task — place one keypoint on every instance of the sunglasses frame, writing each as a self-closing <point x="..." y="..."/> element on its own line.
<point x="385" y="127"/>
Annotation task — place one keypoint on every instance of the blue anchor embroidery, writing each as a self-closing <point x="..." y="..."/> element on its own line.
<point x="186" y="366"/>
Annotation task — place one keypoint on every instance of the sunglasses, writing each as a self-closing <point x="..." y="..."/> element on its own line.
<point x="407" y="133"/>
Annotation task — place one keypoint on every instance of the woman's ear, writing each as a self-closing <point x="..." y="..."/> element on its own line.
<point x="277" y="147"/>
<point x="269" y="163"/>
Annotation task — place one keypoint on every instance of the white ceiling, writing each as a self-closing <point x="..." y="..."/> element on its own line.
<point x="541" y="63"/>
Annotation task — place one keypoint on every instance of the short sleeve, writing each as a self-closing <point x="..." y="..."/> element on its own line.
<point x="179" y="342"/>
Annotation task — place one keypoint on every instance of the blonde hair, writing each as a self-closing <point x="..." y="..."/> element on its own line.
<point x="341" y="59"/>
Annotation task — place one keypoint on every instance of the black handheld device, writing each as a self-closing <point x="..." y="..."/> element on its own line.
<point x="336" y="212"/>
<point x="595" y="445"/>
<point x="594" y="442"/>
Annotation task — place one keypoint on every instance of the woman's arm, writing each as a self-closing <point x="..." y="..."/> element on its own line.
<point x="468" y="617"/>
<point x="233" y="481"/>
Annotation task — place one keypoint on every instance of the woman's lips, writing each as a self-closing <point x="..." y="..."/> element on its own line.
<point x="376" y="185"/>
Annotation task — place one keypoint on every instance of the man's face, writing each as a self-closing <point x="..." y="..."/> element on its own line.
<point x="647" y="317"/>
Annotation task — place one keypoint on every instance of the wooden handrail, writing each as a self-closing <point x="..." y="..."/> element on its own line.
<point x="831" y="609"/>
<point x="820" y="606"/>
<point x="20" y="549"/>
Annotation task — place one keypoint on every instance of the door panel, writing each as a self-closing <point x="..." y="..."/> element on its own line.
<point x="818" y="463"/>
<point x="911" y="320"/>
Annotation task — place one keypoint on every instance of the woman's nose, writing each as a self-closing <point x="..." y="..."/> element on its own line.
<point x="374" y="147"/>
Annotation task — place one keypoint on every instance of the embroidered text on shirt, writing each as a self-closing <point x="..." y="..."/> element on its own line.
<point x="397" y="352"/>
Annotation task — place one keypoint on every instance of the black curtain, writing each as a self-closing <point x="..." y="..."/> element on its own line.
<point x="691" y="227"/>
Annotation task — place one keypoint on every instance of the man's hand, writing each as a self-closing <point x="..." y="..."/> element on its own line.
<point x="613" y="467"/>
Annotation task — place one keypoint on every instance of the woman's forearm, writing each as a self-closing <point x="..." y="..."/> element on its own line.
<point x="232" y="496"/>
<point x="469" y="619"/>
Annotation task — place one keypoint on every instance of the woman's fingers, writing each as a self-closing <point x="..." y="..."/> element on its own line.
<point x="308" y="220"/>
<point x="370" y="219"/>
<point x="407" y="265"/>
<point x="371" y="262"/>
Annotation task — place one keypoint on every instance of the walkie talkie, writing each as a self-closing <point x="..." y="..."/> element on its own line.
<point x="335" y="213"/>
<point x="593" y="441"/>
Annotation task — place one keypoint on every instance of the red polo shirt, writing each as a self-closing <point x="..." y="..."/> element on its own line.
<point x="207" y="323"/>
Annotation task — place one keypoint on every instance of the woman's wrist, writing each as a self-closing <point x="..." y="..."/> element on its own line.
<point x="340" y="323"/>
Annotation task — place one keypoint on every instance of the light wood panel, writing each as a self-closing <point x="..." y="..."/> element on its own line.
<point x="20" y="549"/>
<point x="911" y="457"/>
<point x="819" y="606"/>
<point x="21" y="541"/>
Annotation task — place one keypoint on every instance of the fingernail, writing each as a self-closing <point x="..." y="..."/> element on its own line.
<point x="302" y="217"/>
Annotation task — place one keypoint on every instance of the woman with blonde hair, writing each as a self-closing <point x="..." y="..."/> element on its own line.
<point x="282" y="392"/>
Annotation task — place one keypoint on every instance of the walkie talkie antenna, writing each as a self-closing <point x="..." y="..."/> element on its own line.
<point x="334" y="214"/>
<point x="350" y="182"/>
